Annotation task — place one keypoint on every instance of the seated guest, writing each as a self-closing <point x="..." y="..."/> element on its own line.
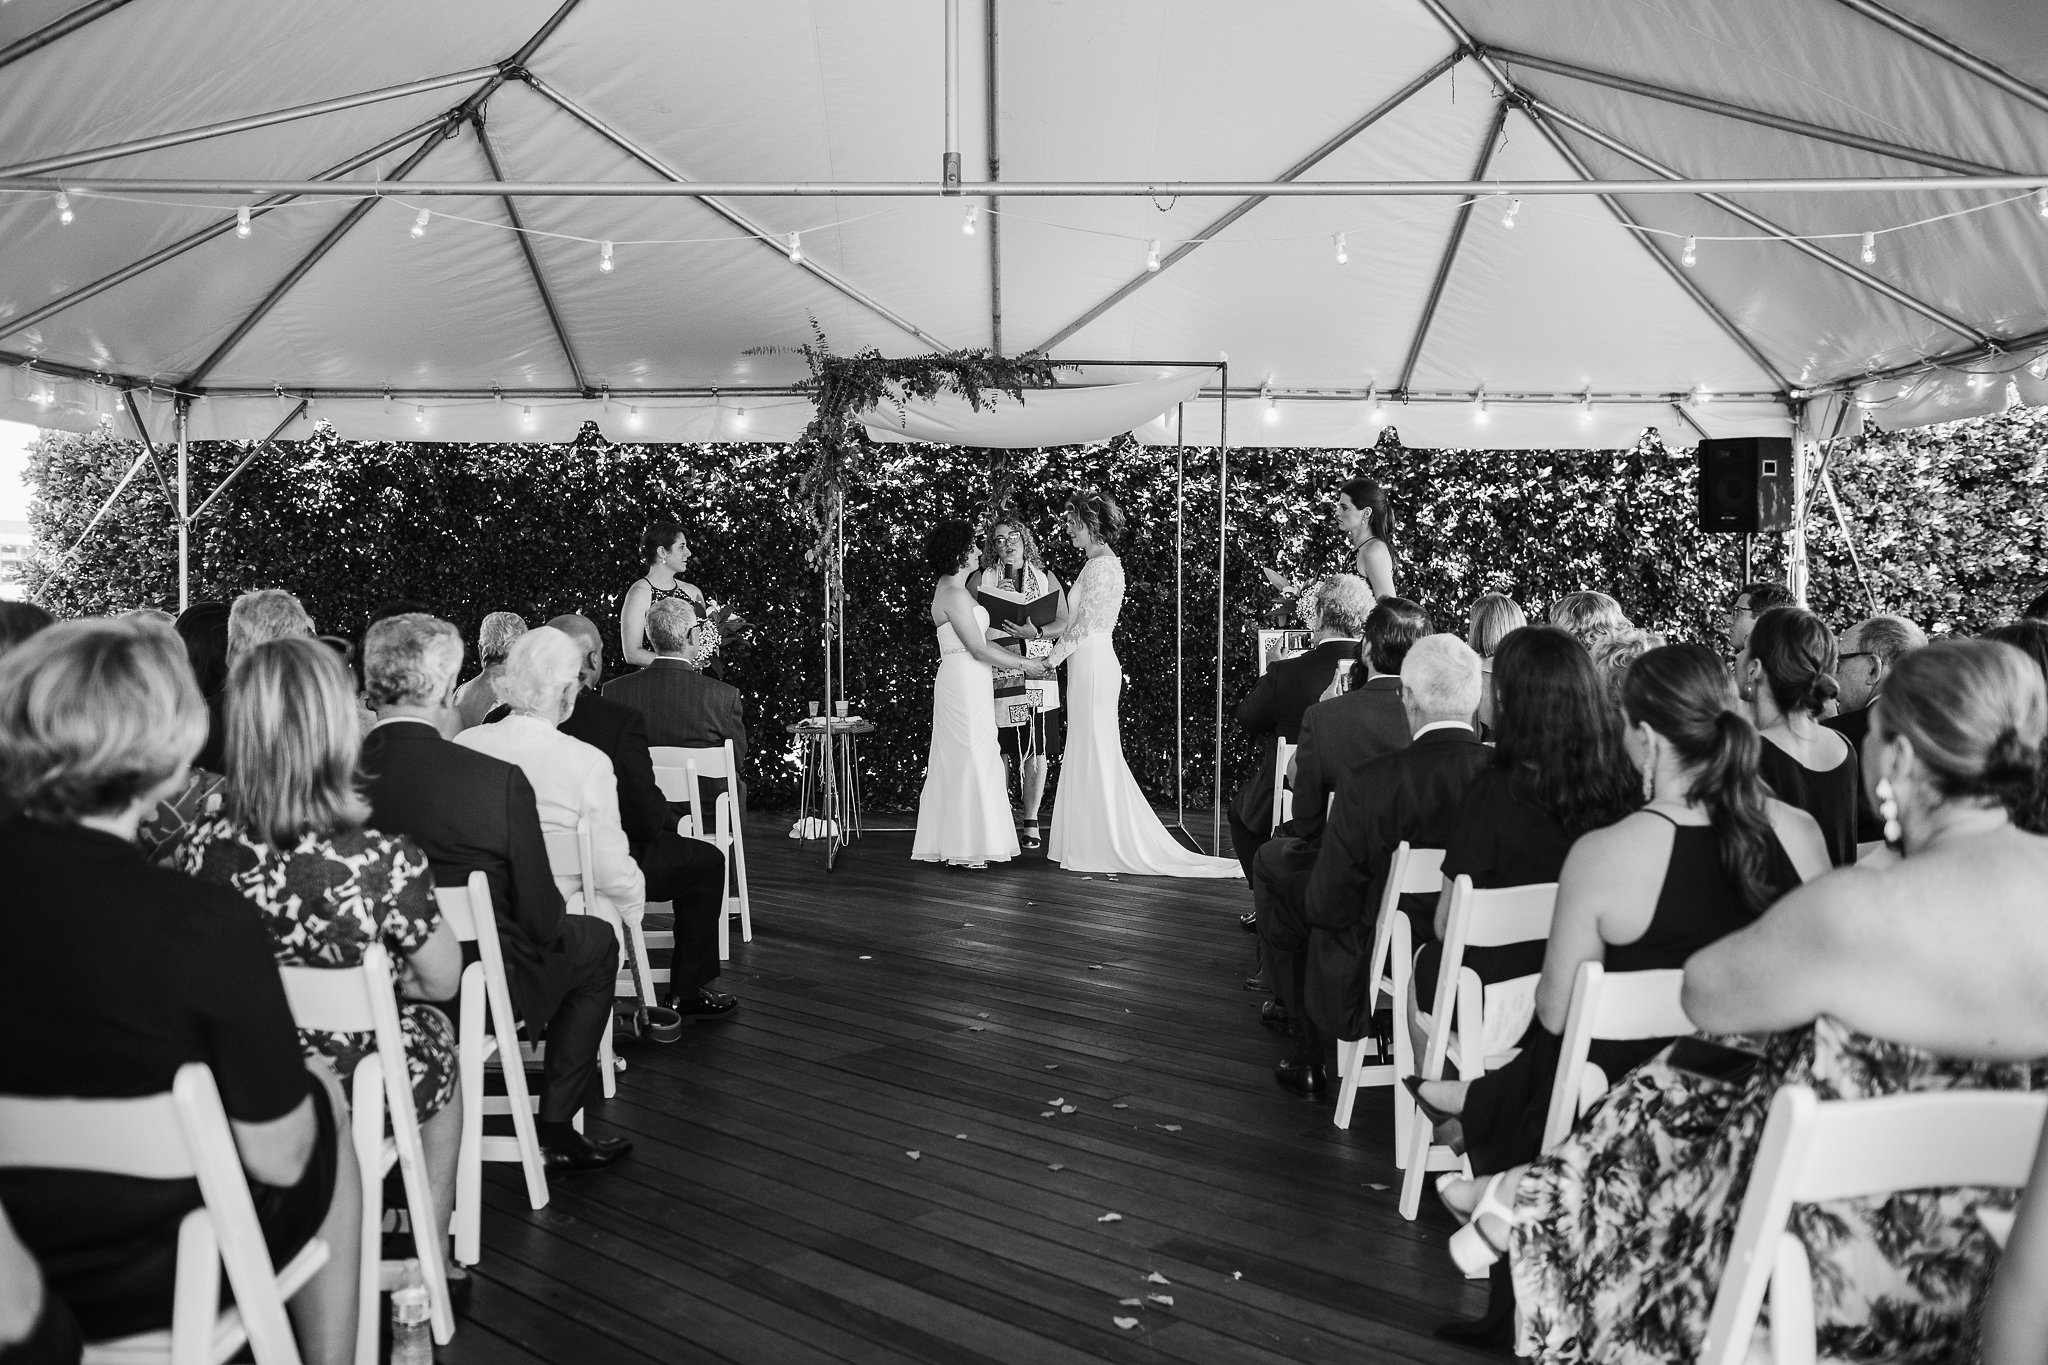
<point x="98" y="719"/>
<point x="683" y="707"/>
<point x="475" y="699"/>
<point x="1612" y="655"/>
<point x="1752" y="600"/>
<point x="36" y="1328"/>
<point x="1489" y="622"/>
<point x="18" y="621"/>
<point x="1869" y="651"/>
<point x="1272" y="711"/>
<point x="1589" y="617"/>
<point x="203" y="627"/>
<point x="1786" y="672"/>
<point x="470" y="812"/>
<point x="1338" y="736"/>
<point x="292" y="842"/>
<point x="2031" y="639"/>
<point x="687" y="873"/>
<point x="264" y="614"/>
<point x="1922" y="974"/>
<point x="1319" y="961"/>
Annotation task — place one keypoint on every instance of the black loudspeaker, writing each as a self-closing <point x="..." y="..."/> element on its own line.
<point x="1746" y="484"/>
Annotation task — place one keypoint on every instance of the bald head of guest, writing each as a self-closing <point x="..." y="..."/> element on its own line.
<point x="580" y="629"/>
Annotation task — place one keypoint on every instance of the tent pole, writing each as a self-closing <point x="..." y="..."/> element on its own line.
<point x="51" y="32"/>
<point x="1802" y="455"/>
<point x="184" y="496"/>
<point x="294" y="415"/>
<point x="995" y="173"/>
<point x="141" y="431"/>
<point x="134" y="468"/>
<point x="1222" y="566"/>
<point x="1948" y="51"/>
<point x="540" y="280"/>
<point x="1827" y="483"/>
<point x="1450" y="256"/>
<point x="1180" y="760"/>
<point x="949" y="162"/>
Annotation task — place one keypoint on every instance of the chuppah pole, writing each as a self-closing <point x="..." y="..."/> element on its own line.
<point x="1180" y="734"/>
<point x="1222" y="550"/>
<point x="184" y="497"/>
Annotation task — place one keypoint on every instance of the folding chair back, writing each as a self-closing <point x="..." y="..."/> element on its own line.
<point x="1812" y="1152"/>
<point x="489" y="1028"/>
<point x="679" y="771"/>
<point x="1413" y="871"/>
<point x="570" y="854"/>
<point x="359" y="999"/>
<point x="1283" y="799"/>
<point x="1613" y="1005"/>
<point x="182" y="1134"/>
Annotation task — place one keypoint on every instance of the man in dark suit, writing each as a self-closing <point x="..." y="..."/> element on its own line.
<point x="470" y="812"/>
<point x="688" y="873"/>
<point x="1869" y="650"/>
<point x="1338" y="737"/>
<point x="682" y="706"/>
<point x="1320" y="963"/>
<point x="1272" y="712"/>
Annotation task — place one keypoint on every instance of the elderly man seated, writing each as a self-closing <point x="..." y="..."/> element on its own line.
<point x="1320" y="964"/>
<point x="682" y="706"/>
<point x="475" y="699"/>
<point x="470" y="811"/>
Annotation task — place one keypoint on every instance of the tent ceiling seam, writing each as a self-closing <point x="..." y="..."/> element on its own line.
<point x="540" y="280"/>
<point x="1459" y="221"/>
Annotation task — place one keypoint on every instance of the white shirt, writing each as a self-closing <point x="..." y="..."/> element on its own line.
<point x="1442" y="725"/>
<point x="571" y="780"/>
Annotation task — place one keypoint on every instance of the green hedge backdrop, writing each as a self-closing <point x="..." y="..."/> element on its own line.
<point x="1949" y="522"/>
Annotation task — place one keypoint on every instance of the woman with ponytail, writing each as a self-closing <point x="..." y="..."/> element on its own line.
<point x="1366" y="516"/>
<point x="1786" y="672"/>
<point x="1919" y="973"/>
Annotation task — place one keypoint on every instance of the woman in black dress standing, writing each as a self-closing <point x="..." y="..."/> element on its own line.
<point x="1027" y="608"/>
<point x="1786" y="672"/>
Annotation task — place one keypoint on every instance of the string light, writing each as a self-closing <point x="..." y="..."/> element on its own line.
<point x="1272" y="403"/>
<point x="739" y="417"/>
<point x="633" y="417"/>
<point x="967" y="223"/>
<point x="2041" y="200"/>
<point x="1152" y="255"/>
<point x="1479" y="412"/>
<point x="419" y="414"/>
<point x="1508" y="218"/>
<point x="1342" y="254"/>
<point x="604" y="257"/>
<point x="1869" y="248"/>
<point x="526" y="415"/>
<point x="796" y="248"/>
<point x="1691" y="257"/>
<point x="64" y="214"/>
<point x="1702" y="395"/>
<point x="1586" y="404"/>
<point x="419" y="223"/>
<point x="242" y="221"/>
<point x="2038" y="366"/>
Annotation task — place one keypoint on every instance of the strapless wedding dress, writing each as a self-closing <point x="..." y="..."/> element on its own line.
<point x="963" y="814"/>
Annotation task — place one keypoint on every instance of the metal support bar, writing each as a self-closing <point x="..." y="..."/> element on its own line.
<point x="2007" y="346"/>
<point x="1459" y="223"/>
<point x="1291" y="174"/>
<point x="246" y="461"/>
<point x="949" y="162"/>
<point x="1222" y="570"/>
<point x="673" y="182"/>
<point x="1827" y="482"/>
<point x="148" y="446"/>
<point x="57" y="28"/>
<point x="540" y="281"/>
<point x="184" y="415"/>
<point x="1950" y="52"/>
<point x="1180" y="700"/>
<point x="44" y="165"/>
<point x="1687" y="418"/>
<point x="134" y="468"/>
<point x="995" y="173"/>
<point x="186" y="243"/>
<point x="1818" y="132"/>
<point x="1763" y="224"/>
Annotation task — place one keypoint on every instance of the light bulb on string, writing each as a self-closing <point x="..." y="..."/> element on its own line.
<point x="419" y="414"/>
<point x="2041" y="200"/>
<point x="1691" y="256"/>
<point x="633" y="417"/>
<point x="1869" y="252"/>
<point x="1479" y="412"/>
<point x="739" y="417"/>
<point x="1508" y="219"/>
<point x="604" y="257"/>
<point x="2038" y="366"/>
<point x="1702" y="396"/>
<point x="419" y="223"/>
<point x="64" y="214"/>
<point x="1342" y="254"/>
<point x="526" y="415"/>
<point x="1152" y="255"/>
<point x="1272" y="403"/>
<point x="796" y="248"/>
<point x="242" y="221"/>
<point x="1586" y="404"/>
<point x="967" y="223"/>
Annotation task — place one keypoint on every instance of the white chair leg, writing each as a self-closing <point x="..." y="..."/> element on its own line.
<point x="739" y="862"/>
<point x="469" y="1160"/>
<point x="520" y="1107"/>
<point x="366" y="1134"/>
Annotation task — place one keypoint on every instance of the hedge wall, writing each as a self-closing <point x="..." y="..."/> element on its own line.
<point x="1949" y="522"/>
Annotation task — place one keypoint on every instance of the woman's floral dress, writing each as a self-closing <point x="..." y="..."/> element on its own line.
<point x="324" y="900"/>
<point x="1623" y="1231"/>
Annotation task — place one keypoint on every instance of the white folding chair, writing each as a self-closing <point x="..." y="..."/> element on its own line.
<point x="1476" y="919"/>
<point x="178" y="1135"/>
<point x="1283" y="799"/>
<point x="359" y="1000"/>
<point x="1413" y="872"/>
<point x="1613" y="1005"/>
<point x="677" y="771"/>
<point x="1813" y="1152"/>
<point x="489" y="1029"/>
<point x="569" y="855"/>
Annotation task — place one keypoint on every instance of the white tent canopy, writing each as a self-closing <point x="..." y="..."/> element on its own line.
<point x="1522" y="317"/>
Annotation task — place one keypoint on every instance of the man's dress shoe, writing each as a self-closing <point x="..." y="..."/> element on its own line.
<point x="704" y="1004"/>
<point x="1301" y="1078"/>
<point x="1273" y="1015"/>
<point x="578" y="1152"/>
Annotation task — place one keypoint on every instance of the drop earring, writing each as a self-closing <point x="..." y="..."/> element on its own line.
<point x="1649" y="778"/>
<point x="1888" y="810"/>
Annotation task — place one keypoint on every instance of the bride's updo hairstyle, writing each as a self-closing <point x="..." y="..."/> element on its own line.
<point x="659" y="534"/>
<point x="1368" y="497"/>
<point x="1683" y="693"/>
<point x="1099" y="513"/>
<point x="946" y="547"/>
<point x="1975" y="712"/>
<point x="1799" y="658"/>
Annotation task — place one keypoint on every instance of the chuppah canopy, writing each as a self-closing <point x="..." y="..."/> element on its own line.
<point x="1483" y="221"/>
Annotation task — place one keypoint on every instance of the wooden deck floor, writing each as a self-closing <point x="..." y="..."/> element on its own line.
<point x="772" y="1211"/>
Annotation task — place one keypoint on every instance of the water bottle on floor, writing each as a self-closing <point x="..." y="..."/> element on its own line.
<point x="412" y="1336"/>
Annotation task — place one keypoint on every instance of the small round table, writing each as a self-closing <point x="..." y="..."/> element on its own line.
<point x="831" y="785"/>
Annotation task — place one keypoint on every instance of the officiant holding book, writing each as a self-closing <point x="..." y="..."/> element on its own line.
<point x="1029" y="606"/>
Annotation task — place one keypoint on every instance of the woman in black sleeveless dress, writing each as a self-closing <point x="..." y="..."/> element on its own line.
<point x="1786" y="673"/>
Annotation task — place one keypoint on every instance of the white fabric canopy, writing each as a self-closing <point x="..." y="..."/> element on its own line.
<point x="1053" y="417"/>
<point x="1459" y="328"/>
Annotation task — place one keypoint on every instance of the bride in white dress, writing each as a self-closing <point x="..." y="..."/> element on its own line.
<point x="963" y="814"/>
<point x="1101" y="821"/>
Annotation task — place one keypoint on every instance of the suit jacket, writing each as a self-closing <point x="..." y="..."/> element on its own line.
<point x="470" y="812"/>
<point x="1273" y="712"/>
<point x="1412" y="794"/>
<point x="619" y="733"/>
<point x="1853" y="726"/>
<point x="1338" y="736"/>
<point x="685" y="708"/>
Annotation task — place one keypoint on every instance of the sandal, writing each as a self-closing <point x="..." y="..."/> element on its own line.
<point x="1471" y="1248"/>
<point x="1030" y="837"/>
